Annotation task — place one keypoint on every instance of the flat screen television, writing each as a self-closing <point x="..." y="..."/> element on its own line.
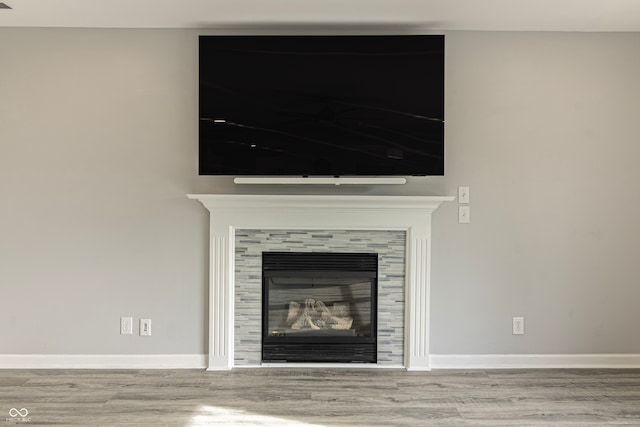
<point x="321" y="105"/>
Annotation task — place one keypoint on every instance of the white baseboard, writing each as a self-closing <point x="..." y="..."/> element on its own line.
<point x="102" y="361"/>
<point x="199" y="361"/>
<point x="533" y="361"/>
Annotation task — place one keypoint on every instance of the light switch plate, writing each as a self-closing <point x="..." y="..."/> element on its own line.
<point x="463" y="194"/>
<point x="463" y="214"/>
<point x="145" y="327"/>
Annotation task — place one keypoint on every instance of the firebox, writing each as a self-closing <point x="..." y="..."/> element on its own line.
<point x="319" y="307"/>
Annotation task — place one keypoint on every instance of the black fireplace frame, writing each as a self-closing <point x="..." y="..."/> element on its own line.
<point x="320" y="349"/>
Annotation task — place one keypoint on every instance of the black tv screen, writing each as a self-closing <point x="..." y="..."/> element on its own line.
<point x="321" y="105"/>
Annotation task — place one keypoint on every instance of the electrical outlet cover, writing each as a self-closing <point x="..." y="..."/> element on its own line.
<point x="518" y="326"/>
<point x="126" y="325"/>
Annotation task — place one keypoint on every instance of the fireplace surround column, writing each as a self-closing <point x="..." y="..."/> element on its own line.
<point x="304" y="212"/>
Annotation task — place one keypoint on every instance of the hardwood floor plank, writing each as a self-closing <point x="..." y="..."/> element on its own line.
<point x="324" y="397"/>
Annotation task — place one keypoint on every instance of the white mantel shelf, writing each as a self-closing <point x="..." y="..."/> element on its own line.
<point x="230" y="212"/>
<point x="278" y="202"/>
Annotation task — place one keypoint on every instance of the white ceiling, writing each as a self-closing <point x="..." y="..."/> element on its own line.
<point x="343" y="15"/>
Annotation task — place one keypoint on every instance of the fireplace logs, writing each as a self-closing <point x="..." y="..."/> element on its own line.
<point x="316" y="315"/>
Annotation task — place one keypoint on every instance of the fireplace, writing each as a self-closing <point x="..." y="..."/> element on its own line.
<point x="240" y="224"/>
<point x="319" y="307"/>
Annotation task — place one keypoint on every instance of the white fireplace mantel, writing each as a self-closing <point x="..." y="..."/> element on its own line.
<point x="230" y="212"/>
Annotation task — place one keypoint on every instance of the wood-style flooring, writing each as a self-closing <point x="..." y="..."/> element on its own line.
<point x="321" y="397"/>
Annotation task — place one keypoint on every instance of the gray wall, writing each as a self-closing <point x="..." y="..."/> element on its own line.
<point x="545" y="128"/>
<point x="98" y="145"/>
<point x="97" y="151"/>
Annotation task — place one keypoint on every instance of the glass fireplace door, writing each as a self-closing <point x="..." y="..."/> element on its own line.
<point x="324" y="315"/>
